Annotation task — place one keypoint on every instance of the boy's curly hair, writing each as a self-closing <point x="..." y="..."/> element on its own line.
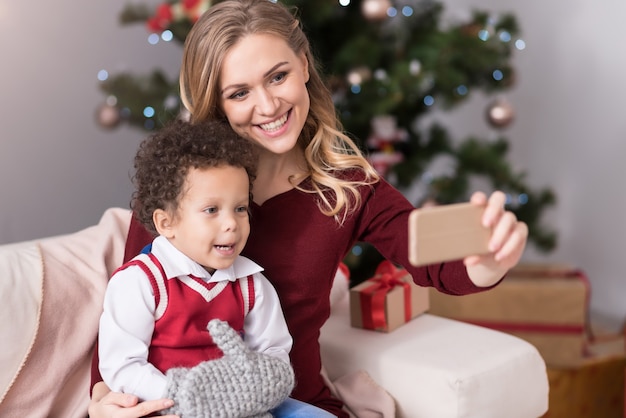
<point x="164" y="159"/>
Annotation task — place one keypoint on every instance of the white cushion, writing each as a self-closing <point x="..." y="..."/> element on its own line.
<point x="437" y="367"/>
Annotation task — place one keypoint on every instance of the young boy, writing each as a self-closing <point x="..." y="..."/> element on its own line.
<point x="174" y="318"/>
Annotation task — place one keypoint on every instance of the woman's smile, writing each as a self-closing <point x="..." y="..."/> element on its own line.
<point x="274" y="125"/>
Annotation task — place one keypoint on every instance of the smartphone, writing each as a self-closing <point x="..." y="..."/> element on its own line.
<point x="447" y="232"/>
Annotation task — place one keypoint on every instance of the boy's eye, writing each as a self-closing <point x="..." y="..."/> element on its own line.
<point x="212" y="209"/>
<point x="241" y="209"/>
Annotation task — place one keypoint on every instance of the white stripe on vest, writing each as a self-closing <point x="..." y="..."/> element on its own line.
<point x="207" y="294"/>
<point x="158" y="278"/>
<point x="243" y="286"/>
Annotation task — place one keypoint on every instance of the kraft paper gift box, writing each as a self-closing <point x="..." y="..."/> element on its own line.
<point x="387" y="300"/>
<point x="547" y="305"/>
<point x="594" y="388"/>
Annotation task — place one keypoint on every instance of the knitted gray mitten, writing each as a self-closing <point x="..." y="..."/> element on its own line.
<point x="242" y="383"/>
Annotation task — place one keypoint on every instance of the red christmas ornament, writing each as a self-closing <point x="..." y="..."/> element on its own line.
<point x="190" y="4"/>
<point x="162" y="18"/>
<point x="193" y="9"/>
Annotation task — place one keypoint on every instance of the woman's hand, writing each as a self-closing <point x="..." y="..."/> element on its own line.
<point x="107" y="404"/>
<point x="506" y="245"/>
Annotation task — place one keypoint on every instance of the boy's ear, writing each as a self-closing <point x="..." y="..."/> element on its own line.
<point x="163" y="223"/>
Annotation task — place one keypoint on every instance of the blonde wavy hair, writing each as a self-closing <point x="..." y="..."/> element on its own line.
<point x="329" y="152"/>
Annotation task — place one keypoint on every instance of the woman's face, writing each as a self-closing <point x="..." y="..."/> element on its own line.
<point x="263" y="91"/>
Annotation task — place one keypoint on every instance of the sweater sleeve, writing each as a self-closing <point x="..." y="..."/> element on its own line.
<point x="383" y="222"/>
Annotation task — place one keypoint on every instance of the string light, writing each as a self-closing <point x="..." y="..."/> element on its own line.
<point x="462" y="90"/>
<point x="103" y="75"/>
<point x="167" y="35"/>
<point x="375" y="9"/>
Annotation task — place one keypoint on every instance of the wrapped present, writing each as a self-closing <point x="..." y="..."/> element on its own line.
<point x="547" y="305"/>
<point x="594" y="388"/>
<point x="387" y="300"/>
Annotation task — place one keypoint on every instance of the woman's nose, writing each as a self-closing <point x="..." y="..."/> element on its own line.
<point x="267" y="103"/>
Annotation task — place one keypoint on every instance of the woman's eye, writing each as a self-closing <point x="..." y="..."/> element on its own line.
<point x="238" y="95"/>
<point x="279" y="77"/>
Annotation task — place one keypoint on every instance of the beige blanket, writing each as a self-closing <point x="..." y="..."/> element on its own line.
<point x="51" y="294"/>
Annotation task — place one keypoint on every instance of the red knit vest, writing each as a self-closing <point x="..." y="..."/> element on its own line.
<point x="184" y="307"/>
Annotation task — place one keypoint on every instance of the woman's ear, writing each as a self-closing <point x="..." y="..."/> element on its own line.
<point x="163" y="223"/>
<point x="305" y="66"/>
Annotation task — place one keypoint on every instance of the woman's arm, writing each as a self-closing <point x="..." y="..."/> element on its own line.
<point x="383" y="223"/>
<point x="107" y="404"/>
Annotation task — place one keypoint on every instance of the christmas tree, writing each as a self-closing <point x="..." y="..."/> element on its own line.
<point x="387" y="66"/>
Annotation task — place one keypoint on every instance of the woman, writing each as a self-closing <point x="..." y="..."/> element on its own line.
<point x="315" y="194"/>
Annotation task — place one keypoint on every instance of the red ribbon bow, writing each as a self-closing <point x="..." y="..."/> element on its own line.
<point x="372" y="298"/>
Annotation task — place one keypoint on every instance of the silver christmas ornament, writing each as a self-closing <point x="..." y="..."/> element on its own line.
<point x="500" y="113"/>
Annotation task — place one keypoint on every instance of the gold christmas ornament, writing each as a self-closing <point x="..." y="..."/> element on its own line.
<point x="108" y="116"/>
<point x="375" y="9"/>
<point x="359" y="75"/>
<point x="500" y="113"/>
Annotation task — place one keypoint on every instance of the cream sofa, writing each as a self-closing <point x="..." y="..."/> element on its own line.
<point x="50" y="295"/>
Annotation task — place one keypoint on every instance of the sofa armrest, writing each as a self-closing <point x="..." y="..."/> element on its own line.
<point x="437" y="367"/>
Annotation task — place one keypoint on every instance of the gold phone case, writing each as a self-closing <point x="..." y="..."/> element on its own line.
<point x="448" y="232"/>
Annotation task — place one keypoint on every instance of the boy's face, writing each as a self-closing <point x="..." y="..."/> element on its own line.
<point x="212" y="225"/>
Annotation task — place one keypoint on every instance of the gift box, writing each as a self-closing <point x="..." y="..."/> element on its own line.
<point x="387" y="300"/>
<point x="547" y="305"/>
<point x="594" y="388"/>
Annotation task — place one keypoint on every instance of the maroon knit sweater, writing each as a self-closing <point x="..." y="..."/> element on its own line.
<point x="300" y="249"/>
